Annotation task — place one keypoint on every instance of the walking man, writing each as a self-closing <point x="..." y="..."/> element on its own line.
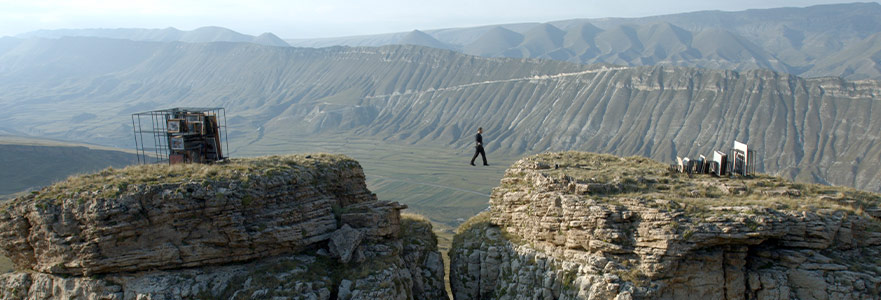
<point x="478" y="149"/>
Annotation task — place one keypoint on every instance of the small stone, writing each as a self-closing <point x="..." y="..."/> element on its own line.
<point x="343" y="243"/>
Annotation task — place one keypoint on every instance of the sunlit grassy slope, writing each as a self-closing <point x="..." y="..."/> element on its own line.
<point x="28" y="163"/>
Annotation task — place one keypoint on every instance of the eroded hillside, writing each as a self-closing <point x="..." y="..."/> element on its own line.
<point x="812" y="130"/>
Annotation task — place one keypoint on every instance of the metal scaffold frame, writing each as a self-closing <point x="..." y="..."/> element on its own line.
<point x="153" y="137"/>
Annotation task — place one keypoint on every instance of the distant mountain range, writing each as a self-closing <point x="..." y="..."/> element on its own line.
<point x="842" y="40"/>
<point x="825" y="40"/>
<point x="199" y="35"/>
<point x="819" y="130"/>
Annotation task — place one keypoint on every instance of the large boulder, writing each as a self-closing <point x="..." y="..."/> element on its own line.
<point x="343" y="243"/>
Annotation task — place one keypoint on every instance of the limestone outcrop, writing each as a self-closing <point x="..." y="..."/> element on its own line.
<point x="289" y="227"/>
<point x="589" y="226"/>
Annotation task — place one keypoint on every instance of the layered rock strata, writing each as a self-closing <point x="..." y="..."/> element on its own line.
<point x="588" y="226"/>
<point x="294" y="227"/>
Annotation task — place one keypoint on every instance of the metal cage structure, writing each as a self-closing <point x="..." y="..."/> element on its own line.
<point x="180" y="135"/>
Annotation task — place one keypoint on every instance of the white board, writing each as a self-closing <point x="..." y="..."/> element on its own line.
<point x="742" y="147"/>
<point x="717" y="159"/>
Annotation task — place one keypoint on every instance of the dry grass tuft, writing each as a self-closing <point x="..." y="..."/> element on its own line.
<point x="414" y="218"/>
<point x="482" y="218"/>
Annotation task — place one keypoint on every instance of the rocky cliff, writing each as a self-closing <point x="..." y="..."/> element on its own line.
<point x="588" y="226"/>
<point x="295" y="227"/>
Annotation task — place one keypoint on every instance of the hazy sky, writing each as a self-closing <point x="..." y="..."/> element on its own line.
<point x="328" y="18"/>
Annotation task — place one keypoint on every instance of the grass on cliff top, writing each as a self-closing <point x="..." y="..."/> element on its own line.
<point x="481" y="219"/>
<point x="110" y="182"/>
<point x="643" y="178"/>
<point x="418" y="229"/>
<point x="598" y="168"/>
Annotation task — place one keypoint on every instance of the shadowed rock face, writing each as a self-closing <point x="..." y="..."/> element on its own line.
<point x="255" y="226"/>
<point x="582" y="226"/>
